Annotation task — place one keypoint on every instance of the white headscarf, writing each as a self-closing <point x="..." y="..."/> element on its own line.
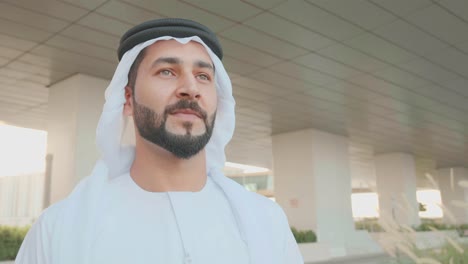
<point x="119" y="157"/>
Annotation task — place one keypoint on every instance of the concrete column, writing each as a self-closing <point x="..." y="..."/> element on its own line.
<point x="313" y="185"/>
<point x="452" y="194"/>
<point x="396" y="187"/>
<point x="75" y="105"/>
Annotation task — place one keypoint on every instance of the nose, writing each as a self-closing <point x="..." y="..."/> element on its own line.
<point x="188" y="88"/>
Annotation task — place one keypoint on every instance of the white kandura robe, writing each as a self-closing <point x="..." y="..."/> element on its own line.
<point x="136" y="226"/>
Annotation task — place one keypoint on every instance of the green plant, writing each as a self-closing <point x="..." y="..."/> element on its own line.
<point x="462" y="230"/>
<point x="369" y="224"/>
<point x="448" y="254"/>
<point x="422" y="207"/>
<point x="306" y="236"/>
<point x="429" y="225"/>
<point x="10" y="241"/>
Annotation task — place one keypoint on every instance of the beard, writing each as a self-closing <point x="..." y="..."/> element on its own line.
<point x="152" y="127"/>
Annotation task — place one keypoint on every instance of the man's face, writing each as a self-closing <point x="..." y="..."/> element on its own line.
<point x="174" y="100"/>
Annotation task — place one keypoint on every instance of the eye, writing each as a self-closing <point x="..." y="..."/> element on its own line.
<point x="166" y="73"/>
<point x="204" y="77"/>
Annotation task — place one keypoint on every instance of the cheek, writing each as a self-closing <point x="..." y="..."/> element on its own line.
<point x="152" y="95"/>
<point x="212" y="101"/>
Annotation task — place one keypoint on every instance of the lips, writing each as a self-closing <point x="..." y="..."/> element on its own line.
<point x="187" y="112"/>
<point x="187" y="108"/>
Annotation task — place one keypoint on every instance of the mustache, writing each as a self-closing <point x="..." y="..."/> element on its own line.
<point x="185" y="104"/>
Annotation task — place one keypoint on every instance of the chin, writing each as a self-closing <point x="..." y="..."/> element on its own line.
<point x="182" y="131"/>
<point x="196" y="132"/>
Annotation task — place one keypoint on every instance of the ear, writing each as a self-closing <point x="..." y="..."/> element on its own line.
<point x="128" y="106"/>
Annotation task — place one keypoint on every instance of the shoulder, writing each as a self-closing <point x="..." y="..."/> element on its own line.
<point x="50" y="215"/>
<point x="46" y="225"/>
<point x="267" y="206"/>
<point x="47" y="234"/>
<point x="51" y="219"/>
<point x="277" y="226"/>
<point x="38" y="243"/>
<point x="264" y="209"/>
<point x="271" y="216"/>
<point x="284" y="242"/>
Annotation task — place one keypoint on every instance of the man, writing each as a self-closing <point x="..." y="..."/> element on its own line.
<point x="164" y="200"/>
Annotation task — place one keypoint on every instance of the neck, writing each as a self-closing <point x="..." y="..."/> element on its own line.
<point x="157" y="170"/>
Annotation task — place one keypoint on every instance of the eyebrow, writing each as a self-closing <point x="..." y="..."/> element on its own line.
<point x="169" y="60"/>
<point x="174" y="60"/>
<point x="203" y="64"/>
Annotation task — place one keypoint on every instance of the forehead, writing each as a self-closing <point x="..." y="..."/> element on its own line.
<point x="171" y="48"/>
